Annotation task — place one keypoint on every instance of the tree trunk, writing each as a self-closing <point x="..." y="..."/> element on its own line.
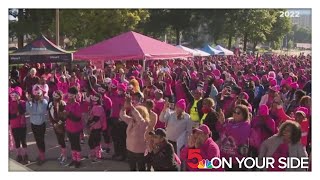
<point x="254" y="46"/>
<point x="245" y="40"/>
<point x="230" y="41"/>
<point x="177" y="36"/>
<point x="20" y="34"/>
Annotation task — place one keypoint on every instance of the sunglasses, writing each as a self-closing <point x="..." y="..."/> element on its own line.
<point x="237" y="112"/>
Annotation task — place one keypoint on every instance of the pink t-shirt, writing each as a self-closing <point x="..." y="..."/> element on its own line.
<point x="117" y="104"/>
<point x="74" y="126"/>
<point x="158" y="106"/>
<point x="19" y="121"/>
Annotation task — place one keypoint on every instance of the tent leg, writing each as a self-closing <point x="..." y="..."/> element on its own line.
<point x="144" y="65"/>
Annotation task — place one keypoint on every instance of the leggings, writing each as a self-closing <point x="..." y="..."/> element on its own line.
<point x="94" y="138"/>
<point x="19" y="135"/>
<point x="136" y="160"/>
<point x="38" y="133"/>
<point x="107" y="133"/>
<point x="60" y="138"/>
<point x="119" y="137"/>
<point x="74" y="139"/>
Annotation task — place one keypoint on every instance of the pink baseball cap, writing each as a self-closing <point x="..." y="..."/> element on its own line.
<point x="202" y="128"/>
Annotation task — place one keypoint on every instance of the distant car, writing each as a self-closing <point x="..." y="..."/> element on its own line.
<point x="12" y="48"/>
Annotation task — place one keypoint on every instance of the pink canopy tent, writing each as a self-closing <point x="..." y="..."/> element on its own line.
<point x="130" y="46"/>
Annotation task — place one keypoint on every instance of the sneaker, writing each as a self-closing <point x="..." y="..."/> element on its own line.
<point x="63" y="161"/>
<point x="25" y="160"/>
<point x="72" y="163"/>
<point x="106" y="150"/>
<point x="95" y="160"/>
<point x="19" y="159"/>
<point x="60" y="157"/>
<point x="40" y="162"/>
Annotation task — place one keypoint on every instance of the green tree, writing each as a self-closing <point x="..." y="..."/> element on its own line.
<point x="31" y="22"/>
<point x="255" y="25"/>
<point x="87" y="26"/>
<point x="302" y="35"/>
<point x="281" y="27"/>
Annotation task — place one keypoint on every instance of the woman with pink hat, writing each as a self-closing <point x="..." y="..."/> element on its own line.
<point x="17" y="123"/>
<point x="267" y="99"/>
<point x="36" y="107"/>
<point x="201" y="139"/>
<point x="74" y="126"/>
<point x="178" y="122"/>
<point x="262" y="127"/>
<point x="96" y="124"/>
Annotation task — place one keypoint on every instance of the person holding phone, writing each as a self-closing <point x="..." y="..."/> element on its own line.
<point x="200" y="139"/>
<point x="234" y="135"/>
<point x="138" y="123"/>
<point x="178" y="122"/>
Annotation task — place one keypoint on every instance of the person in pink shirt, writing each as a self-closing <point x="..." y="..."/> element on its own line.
<point x="96" y="124"/>
<point x="17" y="122"/>
<point x="306" y="103"/>
<point x="137" y="126"/>
<point x="118" y="128"/>
<point x="202" y="141"/>
<point x="63" y="85"/>
<point x="107" y="105"/>
<point x="301" y="118"/>
<point x="262" y="127"/>
<point x="74" y="81"/>
<point x="234" y="135"/>
<point x="159" y="103"/>
<point x="74" y="126"/>
<point x="168" y="86"/>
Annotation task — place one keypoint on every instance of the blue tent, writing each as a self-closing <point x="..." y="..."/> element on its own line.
<point x="207" y="48"/>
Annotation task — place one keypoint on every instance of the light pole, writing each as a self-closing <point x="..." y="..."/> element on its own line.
<point x="57" y="28"/>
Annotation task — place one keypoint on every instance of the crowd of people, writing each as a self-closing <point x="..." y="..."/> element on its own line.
<point x="221" y="106"/>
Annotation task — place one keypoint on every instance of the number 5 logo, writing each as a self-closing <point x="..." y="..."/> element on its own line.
<point x="194" y="153"/>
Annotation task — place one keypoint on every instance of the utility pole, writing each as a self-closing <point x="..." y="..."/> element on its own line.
<point x="57" y="28"/>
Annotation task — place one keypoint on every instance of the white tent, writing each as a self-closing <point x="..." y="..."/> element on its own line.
<point x="202" y="53"/>
<point x="194" y="52"/>
<point x="225" y="51"/>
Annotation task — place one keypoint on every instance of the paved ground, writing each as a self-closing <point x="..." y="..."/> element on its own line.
<point x="53" y="152"/>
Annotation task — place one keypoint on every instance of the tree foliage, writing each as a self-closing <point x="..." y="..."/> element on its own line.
<point x="192" y="26"/>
